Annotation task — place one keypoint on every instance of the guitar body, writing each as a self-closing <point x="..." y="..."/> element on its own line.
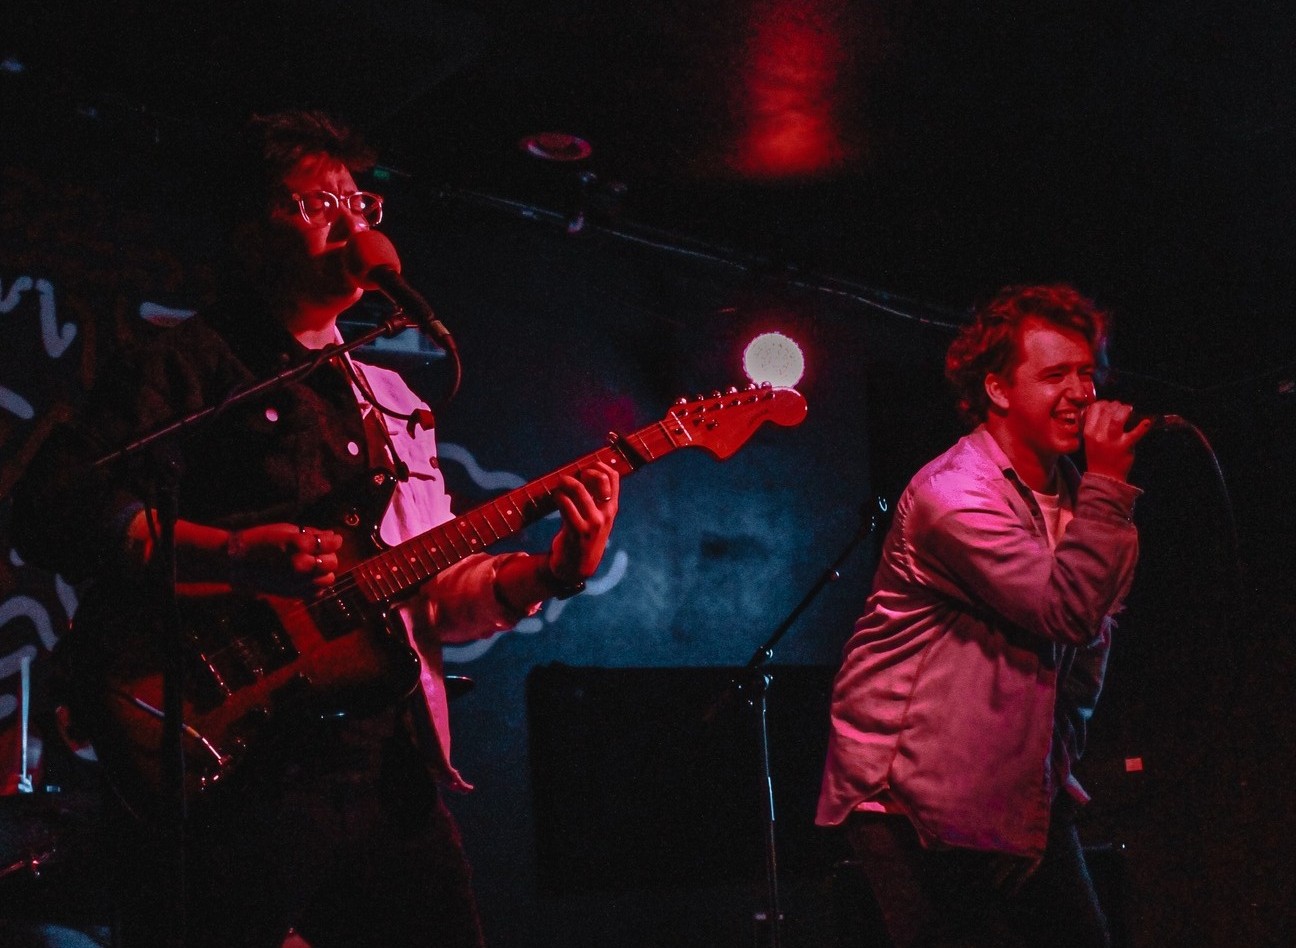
<point x="253" y="665"/>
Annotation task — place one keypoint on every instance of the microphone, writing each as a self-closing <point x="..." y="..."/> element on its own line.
<point x="1159" y="422"/>
<point x="372" y="264"/>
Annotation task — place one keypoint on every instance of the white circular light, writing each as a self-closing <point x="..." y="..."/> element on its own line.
<point x="773" y="357"/>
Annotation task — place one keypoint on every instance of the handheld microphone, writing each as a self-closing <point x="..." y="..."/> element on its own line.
<point x="1159" y="422"/>
<point x="372" y="264"/>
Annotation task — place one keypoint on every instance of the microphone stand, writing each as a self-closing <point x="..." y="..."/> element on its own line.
<point x="751" y="685"/>
<point x="175" y="808"/>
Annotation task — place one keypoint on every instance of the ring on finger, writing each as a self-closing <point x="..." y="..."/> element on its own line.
<point x="319" y="563"/>
<point x="319" y="543"/>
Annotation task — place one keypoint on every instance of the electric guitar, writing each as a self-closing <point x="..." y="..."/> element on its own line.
<point x="255" y="661"/>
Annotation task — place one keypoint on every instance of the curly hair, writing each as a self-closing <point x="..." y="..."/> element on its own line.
<point x="269" y="147"/>
<point x="989" y="343"/>
<point x="247" y="181"/>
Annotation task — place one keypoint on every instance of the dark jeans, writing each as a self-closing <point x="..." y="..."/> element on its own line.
<point x="339" y="833"/>
<point x="964" y="898"/>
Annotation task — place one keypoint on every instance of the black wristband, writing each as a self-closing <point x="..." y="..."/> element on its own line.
<point x="559" y="588"/>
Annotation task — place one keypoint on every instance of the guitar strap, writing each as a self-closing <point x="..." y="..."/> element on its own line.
<point x="381" y="448"/>
<point x="383" y="455"/>
<point x="382" y="452"/>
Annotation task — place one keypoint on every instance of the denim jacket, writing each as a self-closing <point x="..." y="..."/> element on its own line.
<point x="965" y="689"/>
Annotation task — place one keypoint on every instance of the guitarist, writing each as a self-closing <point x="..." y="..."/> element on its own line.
<point x="337" y="837"/>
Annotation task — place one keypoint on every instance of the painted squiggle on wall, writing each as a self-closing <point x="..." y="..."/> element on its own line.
<point x="15" y="404"/>
<point x="56" y="338"/>
<point x="22" y="614"/>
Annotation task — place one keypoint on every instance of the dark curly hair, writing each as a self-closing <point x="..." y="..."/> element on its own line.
<point x="248" y="182"/>
<point x="989" y="343"/>
<point x="271" y="145"/>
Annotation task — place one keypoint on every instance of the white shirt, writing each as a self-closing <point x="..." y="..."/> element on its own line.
<point x="459" y="603"/>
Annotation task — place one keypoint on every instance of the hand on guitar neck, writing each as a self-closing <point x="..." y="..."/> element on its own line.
<point x="588" y="506"/>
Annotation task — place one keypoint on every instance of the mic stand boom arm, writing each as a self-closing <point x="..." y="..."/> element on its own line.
<point x="398" y="322"/>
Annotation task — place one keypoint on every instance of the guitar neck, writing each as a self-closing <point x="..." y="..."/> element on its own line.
<point x="720" y="424"/>
<point x="398" y="571"/>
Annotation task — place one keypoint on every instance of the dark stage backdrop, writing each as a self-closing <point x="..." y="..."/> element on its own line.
<point x="607" y="811"/>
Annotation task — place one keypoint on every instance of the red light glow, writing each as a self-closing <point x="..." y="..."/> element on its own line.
<point x="788" y="107"/>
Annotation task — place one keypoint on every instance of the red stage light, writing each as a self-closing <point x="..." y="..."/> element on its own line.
<point x="789" y="99"/>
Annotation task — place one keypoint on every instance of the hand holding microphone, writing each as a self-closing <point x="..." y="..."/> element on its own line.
<point x="1112" y="430"/>
<point x="1159" y="422"/>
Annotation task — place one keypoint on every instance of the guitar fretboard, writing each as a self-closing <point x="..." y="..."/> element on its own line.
<point x="398" y="571"/>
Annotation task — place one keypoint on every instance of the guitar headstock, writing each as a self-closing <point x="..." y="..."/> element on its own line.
<point x="723" y="422"/>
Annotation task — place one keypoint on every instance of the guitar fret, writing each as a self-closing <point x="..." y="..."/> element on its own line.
<point x="424" y="559"/>
<point x="670" y="433"/>
<point x="472" y="523"/>
<point x="486" y="511"/>
<point x="380" y="578"/>
<point x="400" y="569"/>
<point x="512" y="515"/>
<point x="451" y="536"/>
<point x="527" y="499"/>
<point x="365" y="581"/>
<point x="470" y="542"/>
<point x="461" y="531"/>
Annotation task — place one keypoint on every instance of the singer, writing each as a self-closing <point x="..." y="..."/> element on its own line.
<point x="960" y="708"/>
<point x="333" y="832"/>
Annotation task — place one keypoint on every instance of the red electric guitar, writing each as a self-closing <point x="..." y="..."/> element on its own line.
<point x="253" y="661"/>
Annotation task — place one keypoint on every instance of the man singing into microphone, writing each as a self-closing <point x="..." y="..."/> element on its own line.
<point x="333" y="834"/>
<point x="960" y="709"/>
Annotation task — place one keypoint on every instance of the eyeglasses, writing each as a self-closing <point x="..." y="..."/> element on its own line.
<point x="321" y="208"/>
